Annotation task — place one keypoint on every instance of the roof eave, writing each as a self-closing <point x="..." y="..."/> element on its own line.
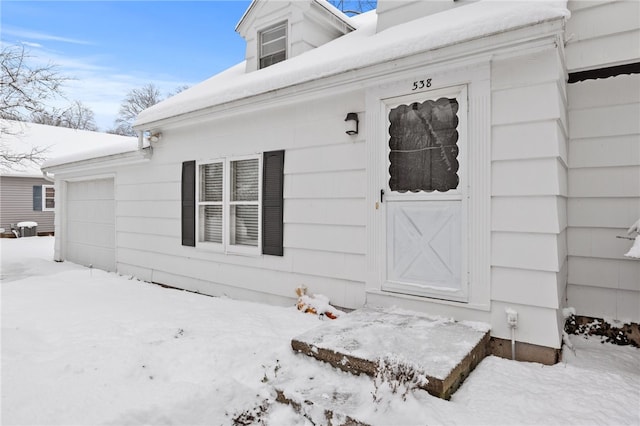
<point x="123" y="158"/>
<point x="550" y="25"/>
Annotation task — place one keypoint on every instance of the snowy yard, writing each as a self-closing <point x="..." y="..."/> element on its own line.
<point x="83" y="346"/>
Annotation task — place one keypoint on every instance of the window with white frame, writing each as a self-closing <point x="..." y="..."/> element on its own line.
<point x="273" y="45"/>
<point x="48" y="197"/>
<point x="229" y="204"/>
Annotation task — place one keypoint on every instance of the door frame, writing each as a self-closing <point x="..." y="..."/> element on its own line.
<point x="473" y="74"/>
<point x="458" y="194"/>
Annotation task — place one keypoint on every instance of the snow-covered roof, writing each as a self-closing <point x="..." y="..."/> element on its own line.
<point x="59" y="143"/>
<point x="358" y="49"/>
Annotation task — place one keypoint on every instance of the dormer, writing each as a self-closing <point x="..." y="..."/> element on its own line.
<point x="276" y="30"/>
<point x="394" y="12"/>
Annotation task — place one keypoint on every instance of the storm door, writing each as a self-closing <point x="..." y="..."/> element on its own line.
<point x="424" y="195"/>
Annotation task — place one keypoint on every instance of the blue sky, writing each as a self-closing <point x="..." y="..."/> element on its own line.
<point x="112" y="47"/>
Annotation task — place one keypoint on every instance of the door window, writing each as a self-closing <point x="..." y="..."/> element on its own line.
<point x="423" y="144"/>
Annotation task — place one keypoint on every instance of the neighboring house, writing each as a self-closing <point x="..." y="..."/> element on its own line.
<point x="492" y="157"/>
<point x="26" y="195"/>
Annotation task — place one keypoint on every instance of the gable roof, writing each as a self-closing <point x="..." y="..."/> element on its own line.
<point x="323" y="3"/>
<point x="359" y="49"/>
<point x="57" y="142"/>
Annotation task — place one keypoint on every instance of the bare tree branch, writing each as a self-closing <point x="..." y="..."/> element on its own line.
<point x="77" y="116"/>
<point x="25" y="89"/>
<point x="11" y="160"/>
<point x="136" y="101"/>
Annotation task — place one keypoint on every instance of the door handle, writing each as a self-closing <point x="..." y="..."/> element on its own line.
<point x="382" y="196"/>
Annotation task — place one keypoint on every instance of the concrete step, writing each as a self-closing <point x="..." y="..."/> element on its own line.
<point x="434" y="354"/>
<point x="320" y="407"/>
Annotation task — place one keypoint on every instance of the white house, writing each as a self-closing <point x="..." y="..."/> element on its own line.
<point x="492" y="156"/>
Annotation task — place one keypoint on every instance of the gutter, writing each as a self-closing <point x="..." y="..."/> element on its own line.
<point x="91" y="164"/>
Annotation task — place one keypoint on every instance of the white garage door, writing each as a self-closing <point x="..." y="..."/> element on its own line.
<point x="91" y="223"/>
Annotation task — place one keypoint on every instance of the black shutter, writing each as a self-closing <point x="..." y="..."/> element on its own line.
<point x="272" y="202"/>
<point x="37" y="198"/>
<point x="189" y="203"/>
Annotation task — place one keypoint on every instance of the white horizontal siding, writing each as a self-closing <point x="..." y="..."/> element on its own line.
<point x="341" y="239"/>
<point x="546" y="176"/>
<point x="308" y="262"/>
<point x="603" y="212"/>
<point x="323" y="185"/>
<point x="606" y="151"/>
<point x="526" y="287"/>
<point x="325" y="159"/>
<point x="529" y="188"/>
<point x="216" y="275"/>
<point x="620" y="90"/>
<point x="533" y="214"/>
<point x="324" y="196"/>
<point x="148" y="209"/>
<point x="149" y="191"/>
<point x="602" y="34"/>
<point x="614" y="49"/>
<point x="540" y="139"/>
<point x="325" y="211"/>
<point x="605" y="273"/>
<point x="604" y="191"/>
<point x="170" y="227"/>
<point x="540" y="252"/>
<point x="603" y="121"/>
<point x="150" y="245"/>
<point x="605" y="182"/>
<point x="597" y="242"/>
<point x="621" y="305"/>
<point x="526" y="104"/>
<point x="151" y="175"/>
<point x="522" y="71"/>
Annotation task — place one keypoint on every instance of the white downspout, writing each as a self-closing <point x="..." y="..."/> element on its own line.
<point x="46" y="177"/>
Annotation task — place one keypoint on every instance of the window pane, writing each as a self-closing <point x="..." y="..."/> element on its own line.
<point x="245" y="224"/>
<point x="49" y="192"/>
<point x="244" y="180"/>
<point x="274" y="46"/>
<point x="49" y="203"/>
<point x="211" y="224"/>
<point x="274" y="33"/>
<point x="211" y="182"/>
<point x="272" y="59"/>
<point x="423" y="146"/>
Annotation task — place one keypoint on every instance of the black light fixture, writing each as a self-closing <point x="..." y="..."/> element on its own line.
<point x="351" y="123"/>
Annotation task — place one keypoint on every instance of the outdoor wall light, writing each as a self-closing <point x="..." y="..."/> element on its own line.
<point x="155" y="137"/>
<point x="351" y="123"/>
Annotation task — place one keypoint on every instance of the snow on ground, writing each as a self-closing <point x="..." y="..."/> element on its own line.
<point x="83" y="346"/>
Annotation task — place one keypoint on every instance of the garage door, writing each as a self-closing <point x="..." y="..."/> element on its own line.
<point x="91" y="224"/>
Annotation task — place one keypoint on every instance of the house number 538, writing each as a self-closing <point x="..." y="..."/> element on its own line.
<point x="421" y="84"/>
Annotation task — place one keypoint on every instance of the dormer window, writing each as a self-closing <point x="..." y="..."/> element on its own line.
<point x="273" y="45"/>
